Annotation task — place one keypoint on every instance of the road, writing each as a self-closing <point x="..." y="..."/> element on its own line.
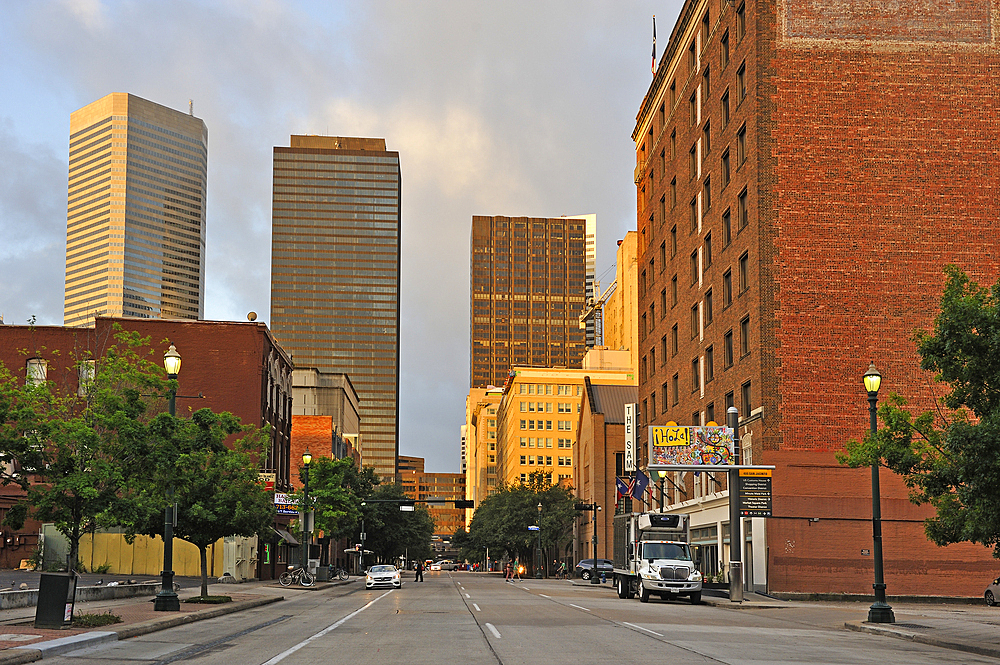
<point x="459" y="617"/>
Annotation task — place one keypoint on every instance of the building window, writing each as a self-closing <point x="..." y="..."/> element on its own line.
<point x="744" y="272"/>
<point x="663" y="255"/>
<point x="694" y="214"/>
<point x="663" y="303"/>
<point x="706" y="138"/>
<point x="741" y="21"/>
<point x="676" y="388"/>
<point x="708" y="308"/>
<point x="673" y="193"/>
<point x="673" y="290"/>
<point x="745" y="336"/>
<point x="709" y="365"/>
<point x="724" y="42"/>
<point x="695" y="374"/>
<point x="706" y="83"/>
<point x="652" y="316"/>
<point x="694" y="320"/>
<point x="727" y="289"/>
<point x="693" y="105"/>
<point x="693" y="161"/>
<point x="706" y="196"/>
<point x="663" y="162"/>
<point x="663" y="348"/>
<point x="673" y="341"/>
<point x="524" y="459"/>
<point x="37" y="370"/>
<point x="743" y="209"/>
<point x="727" y="228"/>
<point x="663" y="398"/>
<point x="663" y="116"/>
<point x="642" y="284"/>
<point x="710" y="412"/>
<point x="741" y="83"/>
<point x="696" y="421"/>
<point x="745" y="402"/>
<point x="741" y="145"/>
<point x="85" y="375"/>
<point x="725" y="109"/>
<point x="663" y="209"/>
<point x="673" y="94"/>
<point x="727" y="349"/>
<point x="693" y="55"/>
<point x="708" y="250"/>
<point x="729" y="401"/>
<point x="694" y="266"/>
<point x="642" y="327"/>
<point x="725" y="169"/>
<point x="642" y="370"/>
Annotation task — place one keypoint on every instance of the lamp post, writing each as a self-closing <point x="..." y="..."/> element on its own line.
<point x="595" y="577"/>
<point x="306" y="524"/>
<point x="166" y="600"/>
<point x="540" y="563"/>
<point x="663" y="495"/>
<point x="880" y="611"/>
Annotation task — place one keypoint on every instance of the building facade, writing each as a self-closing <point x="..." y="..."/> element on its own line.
<point x="335" y="273"/>
<point x="481" y="435"/>
<point x="791" y="230"/>
<point x="439" y="490"/>
<point x="529" y="285"/>
<point x="135" y="221"/>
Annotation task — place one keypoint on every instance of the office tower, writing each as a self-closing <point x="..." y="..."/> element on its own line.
<point x="803" y="175"/>
<point x="335" y="274"/>
<point x="590" y="249"/>
<point x="135" y="221"/>
<point x="528" y="290"/>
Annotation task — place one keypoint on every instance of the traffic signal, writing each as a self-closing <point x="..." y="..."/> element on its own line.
<point x="465" y="503"/>
<point x="583" y="506"/>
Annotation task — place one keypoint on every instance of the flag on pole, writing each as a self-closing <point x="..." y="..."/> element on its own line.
<point x="623" y="488"/>
<point x="639" y="485"/>
<point x="652" y="66"/>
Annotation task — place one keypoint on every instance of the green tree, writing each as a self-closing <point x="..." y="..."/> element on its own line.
<point x="950" y="458"/>
<point x="216" y="486"/>
<point x="336" y="489"/>
<point x="76" y="443"/>
<point x="392" y="533"/>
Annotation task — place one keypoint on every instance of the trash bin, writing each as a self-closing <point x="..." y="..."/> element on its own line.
<point x="323" y="574"/>
<point x="56" y="597"/>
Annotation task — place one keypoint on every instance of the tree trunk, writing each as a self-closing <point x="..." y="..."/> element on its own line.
<point x="204" y="570"/>
<point x="74" y="549"/>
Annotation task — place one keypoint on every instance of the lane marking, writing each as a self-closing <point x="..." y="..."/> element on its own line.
<point x="477" y="607"/>
<point x="544" y="596"/>
<point x="578" y="607"/>
<point x="641" y="628"/>
<point x="468" y="596"/>
<point x="288" y="652"/>
<point x="496" y="633"/>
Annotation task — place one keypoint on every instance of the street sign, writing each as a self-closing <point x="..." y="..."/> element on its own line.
<point x="755" y="493"/>
<point x="283" y="505"/>
<point x="534" y="528"/>
<point x="866" y="552"/>
<point x="405" y="509"/>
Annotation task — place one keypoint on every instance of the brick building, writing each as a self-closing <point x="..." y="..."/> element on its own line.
<point x="439" y="490"/>
<point x="803" y="175"/>
<point x="235" y="367"/>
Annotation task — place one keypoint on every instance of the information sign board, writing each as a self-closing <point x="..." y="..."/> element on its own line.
<point x="283" y="504"/>
<point x="755" y="492"/>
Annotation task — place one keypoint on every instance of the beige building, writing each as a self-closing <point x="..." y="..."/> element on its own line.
<point x="538" y="419"/>
<point x="135" y="220"/>
<point x="620" y="330"/>
<point x="481" y="445"/>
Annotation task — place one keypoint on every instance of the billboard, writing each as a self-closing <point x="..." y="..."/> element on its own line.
<point x="678" y="445"/>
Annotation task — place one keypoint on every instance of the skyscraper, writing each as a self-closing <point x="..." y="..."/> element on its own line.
<point x="529" y="281"/>
<point x="335" y="273"/>
<point x="135" y="221"/>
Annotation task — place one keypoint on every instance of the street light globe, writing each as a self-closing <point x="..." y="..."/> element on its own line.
<point x="539" y="506"/>
<point x="662" y="473"/>
<point x="872" y="379"/>
<point x="172" y="361"/>
<point x="307" y="458"/>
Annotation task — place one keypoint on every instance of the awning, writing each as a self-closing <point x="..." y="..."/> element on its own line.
<point x="287" y="537"/>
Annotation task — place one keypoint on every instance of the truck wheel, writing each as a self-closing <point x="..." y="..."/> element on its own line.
<point x="643" y="594"/>
<point x="629" y="588"/>
<point x="696" y="598"/>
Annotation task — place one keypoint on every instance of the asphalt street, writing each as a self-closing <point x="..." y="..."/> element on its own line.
<point x="472" y="618"/>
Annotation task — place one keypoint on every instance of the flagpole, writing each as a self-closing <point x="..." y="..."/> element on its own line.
<point x="652" y="66"/>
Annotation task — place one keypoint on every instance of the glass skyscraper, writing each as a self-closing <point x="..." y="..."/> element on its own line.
<point x="335" y="274"/>
<point x="135" y="221"/>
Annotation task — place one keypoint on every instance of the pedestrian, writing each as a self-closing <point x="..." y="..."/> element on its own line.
<point x="419" y="577"/>
<point x="508" y="572"/>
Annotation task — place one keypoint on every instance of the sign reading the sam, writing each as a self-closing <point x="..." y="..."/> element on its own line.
<point x="690" y="446"/>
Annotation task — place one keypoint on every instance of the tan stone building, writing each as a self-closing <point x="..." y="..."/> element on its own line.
<point x="481" y="445"/>
<point x="135" y="219"/>
<point x="620" y="330"/>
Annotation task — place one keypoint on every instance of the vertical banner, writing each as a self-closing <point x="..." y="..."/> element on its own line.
<point x="630" y="438"/>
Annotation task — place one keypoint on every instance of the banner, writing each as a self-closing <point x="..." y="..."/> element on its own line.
<point x="630" y="438"/>
<point x="690" y="446"/>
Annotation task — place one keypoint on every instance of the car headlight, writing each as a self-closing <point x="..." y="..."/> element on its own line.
<point x="646" y="575"/>
<point x="695" y="576"/>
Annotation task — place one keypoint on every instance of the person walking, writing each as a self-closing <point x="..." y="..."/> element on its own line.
<point x="508" y="572"/>
<point x="419" y="577"/>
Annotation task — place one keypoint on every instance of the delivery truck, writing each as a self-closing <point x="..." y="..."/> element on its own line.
<point x="652" y="557"/>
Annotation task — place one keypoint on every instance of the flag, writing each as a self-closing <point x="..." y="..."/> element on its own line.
<point x="624" y="488"/>
<point x="639" y="485"/>
<point x="652" y="66"/>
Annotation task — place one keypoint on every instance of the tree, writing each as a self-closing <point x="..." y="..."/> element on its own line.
<point x="76" y="443"/>
<point x="950" y="458"/>
<point x="336" y="489"/>
<point x="216" y="487"/>
<point x="392" y="533"/>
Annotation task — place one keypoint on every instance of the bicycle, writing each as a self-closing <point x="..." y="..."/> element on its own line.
<point x="339" y="573"/>
<point x="292" y="575"/>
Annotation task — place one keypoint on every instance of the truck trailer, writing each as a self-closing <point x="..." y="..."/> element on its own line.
<point x="652" y="556"/>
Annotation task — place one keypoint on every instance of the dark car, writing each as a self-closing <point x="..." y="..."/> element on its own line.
<point x="585" y="568"/>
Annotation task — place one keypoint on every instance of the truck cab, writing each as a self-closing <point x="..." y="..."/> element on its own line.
<point x="653" y="557"/>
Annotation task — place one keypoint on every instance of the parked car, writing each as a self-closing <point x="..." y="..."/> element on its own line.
<point x="992" y="592"/>
<point x="444" y="564"/>
<point x="585" y="568"/>
<point x="383" y="575"/>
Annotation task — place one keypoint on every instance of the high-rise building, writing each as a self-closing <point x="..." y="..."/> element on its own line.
<point x="590" y="253"/>
<point x="803" y="175"/>
<point x="529" y="281"/>
<point x="335" y="274"/>
<point x="135" y="220"/>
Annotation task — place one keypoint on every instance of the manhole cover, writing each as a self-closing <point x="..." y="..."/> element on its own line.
<point x="910" y="625"/>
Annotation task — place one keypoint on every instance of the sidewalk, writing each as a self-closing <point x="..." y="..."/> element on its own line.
<point x="21" y="642"/>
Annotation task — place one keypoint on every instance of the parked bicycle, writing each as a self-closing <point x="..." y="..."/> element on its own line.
<point x="338" y="573"/>
<point x="293" y="575"/>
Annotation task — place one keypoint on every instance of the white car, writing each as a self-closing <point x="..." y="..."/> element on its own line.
<point x="383" y="575"/>
<point x="992" y="594"/>
<point x="444" y="564"/>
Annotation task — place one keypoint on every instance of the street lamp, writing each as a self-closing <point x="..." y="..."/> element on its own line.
<point x="538" y="567"/>
<point x="166" y="600"/>
<point x="595" y="577"/>
<point x="306" y="526"/>
<point x="880" y="611"/>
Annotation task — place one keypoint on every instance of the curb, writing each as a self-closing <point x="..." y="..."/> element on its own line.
<point x="35" y="652"/>
<point x="879" y="629"/>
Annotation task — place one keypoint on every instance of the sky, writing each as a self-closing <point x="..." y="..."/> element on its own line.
<point x="496" y="108"/>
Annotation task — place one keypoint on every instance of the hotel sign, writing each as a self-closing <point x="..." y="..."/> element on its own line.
<point x="630" y="438"/>
<point x="676" y="445"/>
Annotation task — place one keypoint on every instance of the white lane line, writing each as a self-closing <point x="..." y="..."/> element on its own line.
<point x="579" y="608"/>
<point x="468" y="596"/>
<point x="496" y="633"/>
<point x="288" y="652"/>
<point x="641" y="628"/>
<point x="477" y="607"/>
<point x="544" y="596"/>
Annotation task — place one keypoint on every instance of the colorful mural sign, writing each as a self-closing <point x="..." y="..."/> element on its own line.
<point x="672" y="444"/>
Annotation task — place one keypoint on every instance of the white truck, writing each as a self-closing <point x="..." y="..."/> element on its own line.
<point x="653" y="557"/>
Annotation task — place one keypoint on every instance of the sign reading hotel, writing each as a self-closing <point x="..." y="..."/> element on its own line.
<point x="284" y="505"/>
<point x="676" y="445"/>
<point x="755" y="492"/>
<point x="630" y="438"/>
